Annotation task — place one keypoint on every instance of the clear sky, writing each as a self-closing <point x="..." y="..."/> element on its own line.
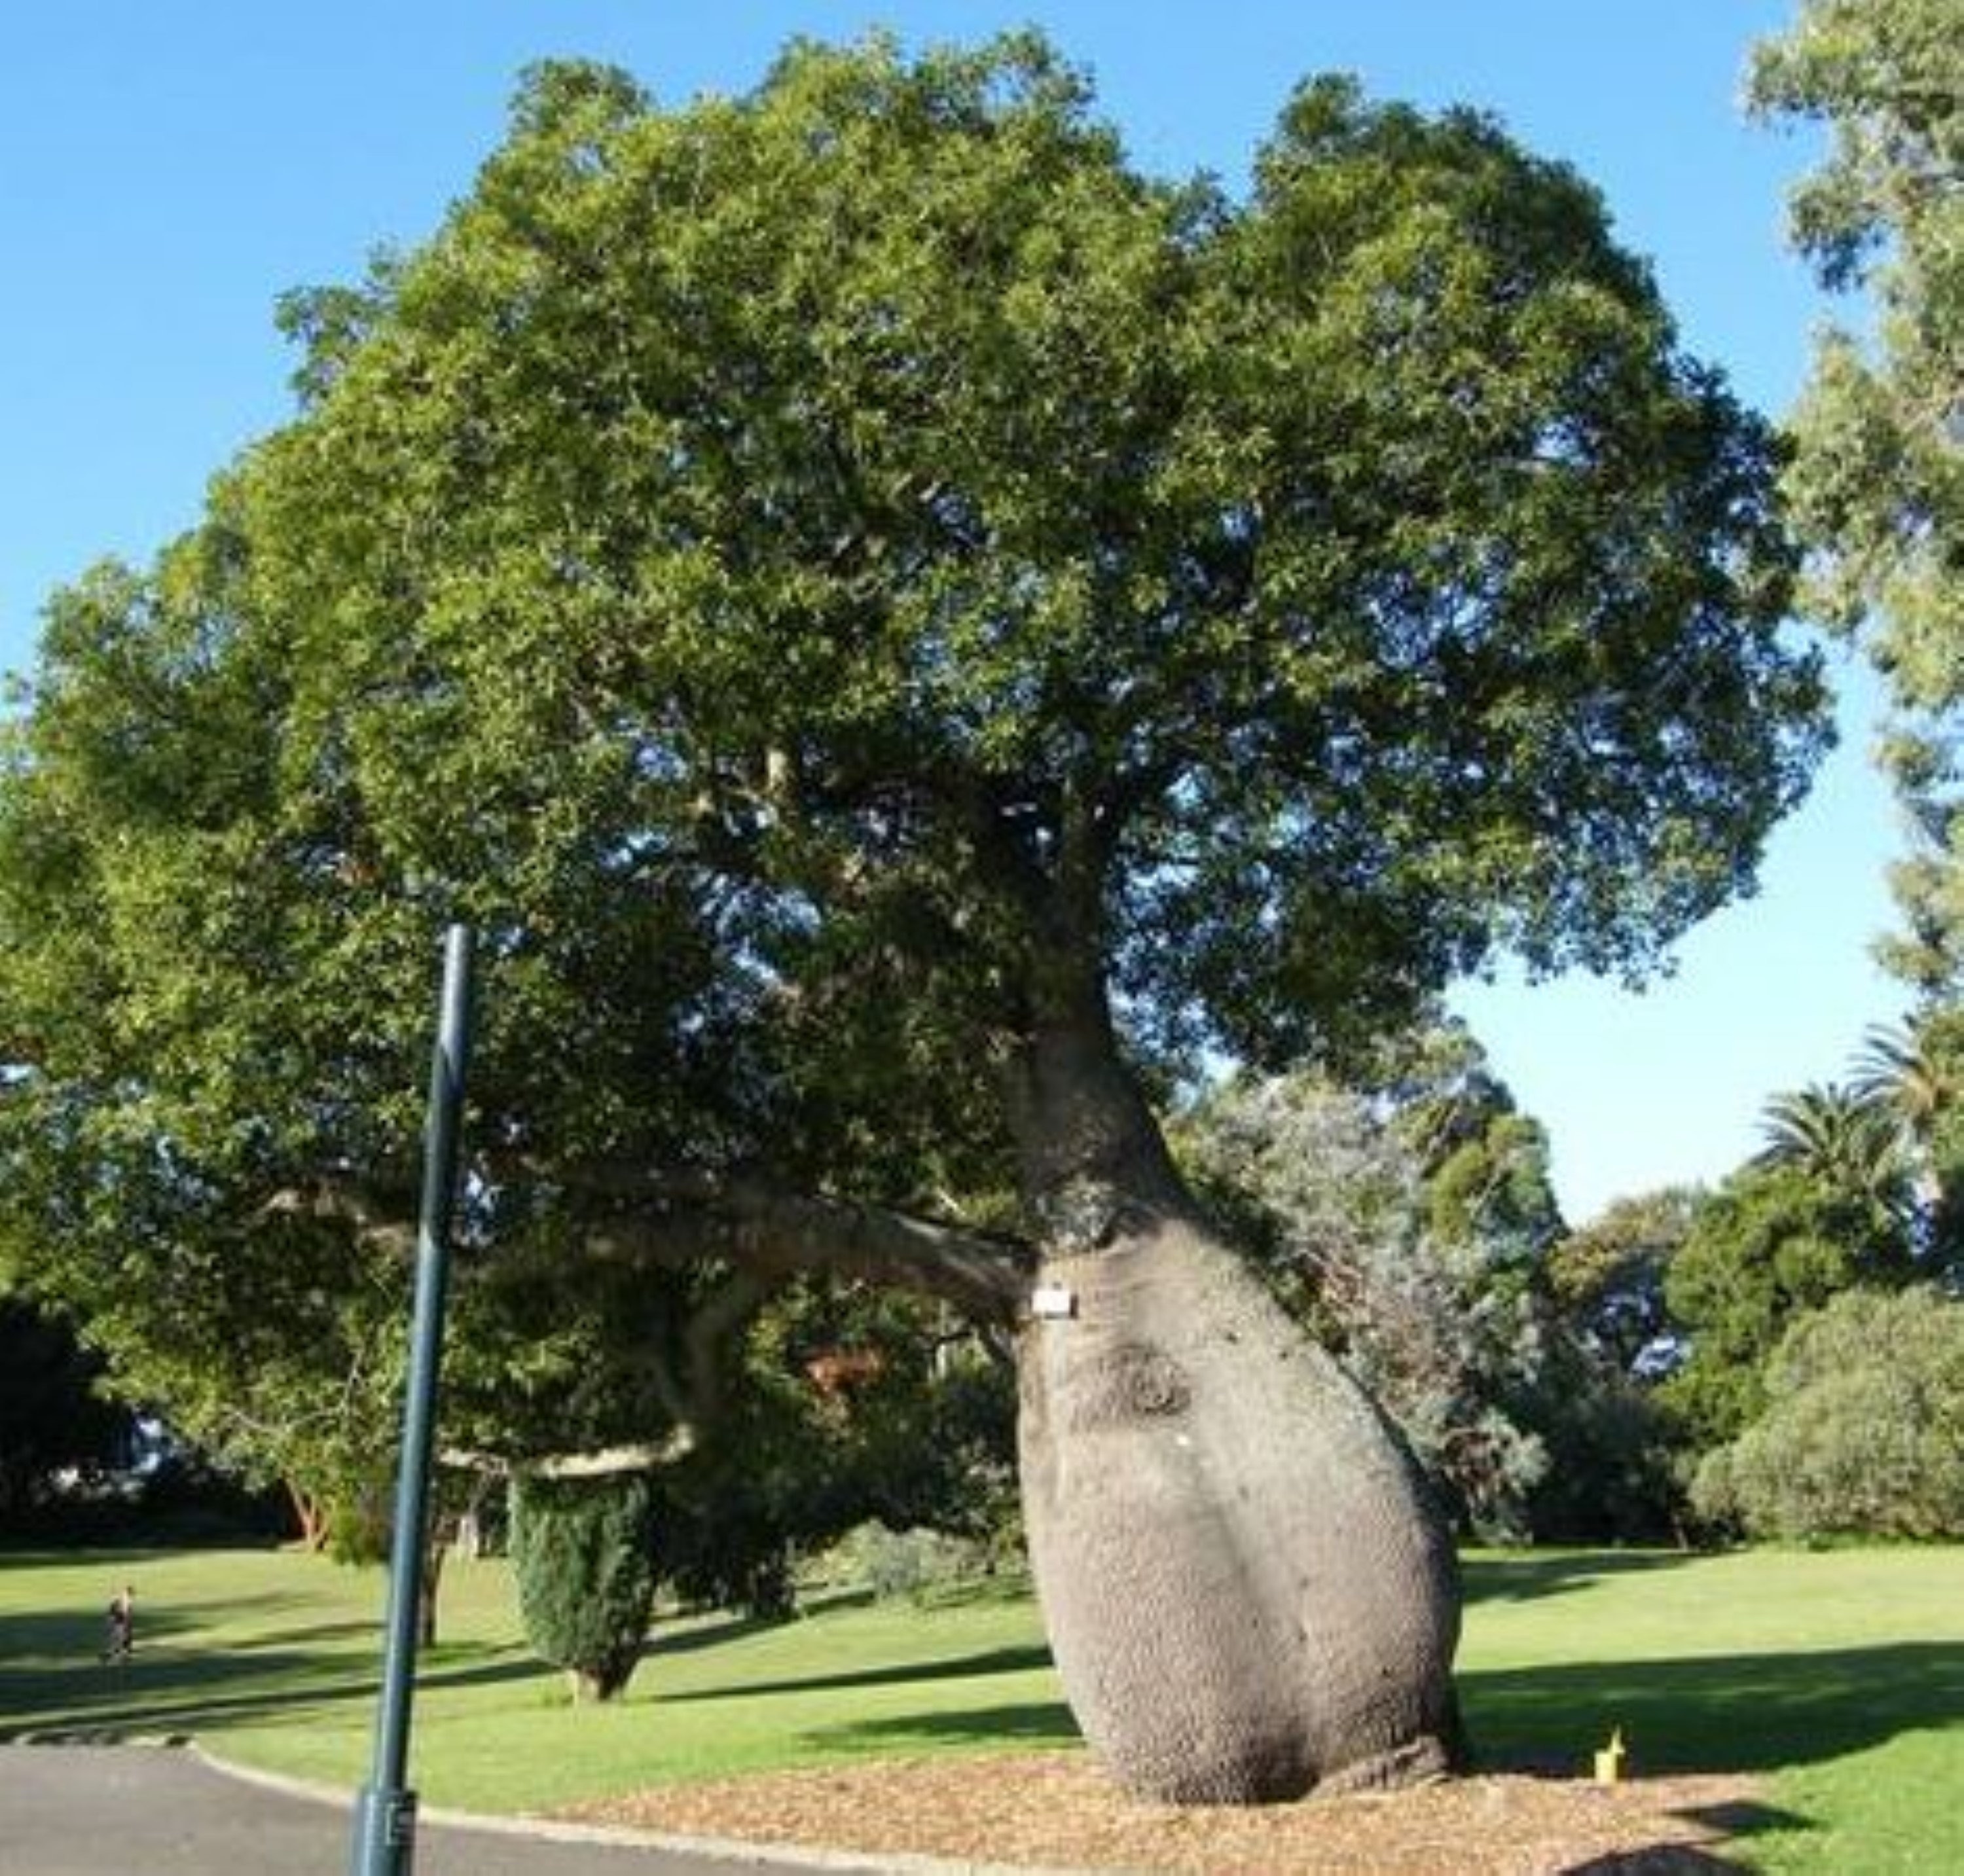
<point x="167" y="167"/>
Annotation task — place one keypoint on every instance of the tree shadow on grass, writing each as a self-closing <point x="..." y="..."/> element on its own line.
<point x="60" y="1636"/>
<point x="996" y="1661"/>
<point x="166" y="1690"/>
<point x="1035" y="1722"/>
<point x="1661" y="1859"/>
<point x="1532" y="1575"/>
<point x="113" y="1560"/>
<point x="713" y="1632"/>
<point x="1724" y="1713"/>
<point x="170" y="1687"/>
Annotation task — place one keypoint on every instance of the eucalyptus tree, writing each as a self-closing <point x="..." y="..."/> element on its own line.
<point x="902" y="628"/>
<point x="1877" y="480"/>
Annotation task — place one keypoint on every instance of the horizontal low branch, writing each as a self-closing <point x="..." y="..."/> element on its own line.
<point x="667" y="1220"/>
<point x="602" y="1463"/>
<point x="774" y="1234"/>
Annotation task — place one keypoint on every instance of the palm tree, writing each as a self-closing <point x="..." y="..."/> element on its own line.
<point x="1849" y="1140"/>
<point x="1896" y="1068"/>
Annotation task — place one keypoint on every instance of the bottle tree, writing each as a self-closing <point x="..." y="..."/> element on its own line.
<point x="901" y="628"/>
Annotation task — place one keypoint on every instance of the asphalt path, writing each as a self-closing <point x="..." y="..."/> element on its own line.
<point x="134" y="1810"/>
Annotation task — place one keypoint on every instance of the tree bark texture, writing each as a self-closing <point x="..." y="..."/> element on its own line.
<point x="1248" y="1591"/>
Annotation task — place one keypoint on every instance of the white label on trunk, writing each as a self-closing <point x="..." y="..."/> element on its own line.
<point x="1052" y="1301"/>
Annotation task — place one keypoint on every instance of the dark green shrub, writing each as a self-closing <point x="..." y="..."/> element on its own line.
<point x="583" y="1552"/>
<point x="1864" y="1434"/>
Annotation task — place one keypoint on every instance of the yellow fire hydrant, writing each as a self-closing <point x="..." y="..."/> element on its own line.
<point x="1609" y="1760"/>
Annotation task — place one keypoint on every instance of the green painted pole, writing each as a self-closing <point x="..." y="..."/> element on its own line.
<point x="385" y="1813"/>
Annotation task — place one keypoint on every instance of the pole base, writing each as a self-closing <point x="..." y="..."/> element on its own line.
<point x="385" y="1832"/>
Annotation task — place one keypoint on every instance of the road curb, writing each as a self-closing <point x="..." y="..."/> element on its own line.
<point x="746" y="1851"/>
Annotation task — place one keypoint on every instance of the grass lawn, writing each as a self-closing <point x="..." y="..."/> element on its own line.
<point x="1841" y="1674"/>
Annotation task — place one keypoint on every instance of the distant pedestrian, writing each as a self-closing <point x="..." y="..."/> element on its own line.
<point x="122" y="1624"/>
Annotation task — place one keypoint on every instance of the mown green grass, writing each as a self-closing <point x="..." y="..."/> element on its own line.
<point x="272" y="1658"/>
<point x="1840" y="1675"/>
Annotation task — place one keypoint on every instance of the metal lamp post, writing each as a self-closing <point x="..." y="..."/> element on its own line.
<point x="385" y="1813"/>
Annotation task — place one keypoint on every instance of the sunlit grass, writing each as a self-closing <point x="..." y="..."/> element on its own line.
<point x="1840" y="1675"/>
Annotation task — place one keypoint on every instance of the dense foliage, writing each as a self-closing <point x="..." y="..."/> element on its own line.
<point x="582" y="1551"/>
<point x="1607" y="1278"/>
<point x="848" y="1407"/>
<point x="1877" y="482"/>
<point x="1864" y="1430"/>
<point x="1768" y="1247"/>
<point x="55" y="1429"/>
<point x="702" y="564"/>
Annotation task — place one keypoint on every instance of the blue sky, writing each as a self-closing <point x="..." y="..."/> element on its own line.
<point x="167" y="167"/>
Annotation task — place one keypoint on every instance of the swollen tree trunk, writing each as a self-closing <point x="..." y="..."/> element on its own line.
<point x="1248" y="1593"/>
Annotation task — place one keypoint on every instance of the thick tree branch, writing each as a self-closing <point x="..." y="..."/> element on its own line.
<point x="769" y="1233"/>
<point x="603" y="1462"/>
<point x="710" y="1329"/>
<point x="667" y="1220"/>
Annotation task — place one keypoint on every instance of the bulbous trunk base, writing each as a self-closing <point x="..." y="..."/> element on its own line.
<point x="1249" y="1594"/>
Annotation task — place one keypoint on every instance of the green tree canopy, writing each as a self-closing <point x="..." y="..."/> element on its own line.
<point x="1877" y="477"/>
<point x="890" y="618"/>
<point x="1770" y="1246"/>
<point x="1863" y="1432"/>
<point x="1608" y="1277"/>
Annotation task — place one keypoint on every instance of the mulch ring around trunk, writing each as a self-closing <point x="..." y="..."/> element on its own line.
<point x="1056" y="1811"/>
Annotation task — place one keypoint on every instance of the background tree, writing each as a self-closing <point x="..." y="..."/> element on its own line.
<point x="1770" y="1247"/>
<point x="901" y="628"/>
<point x="1914" y="1072"/>
<point x="1863" y="1431"/>
<point x="1877" y="482"/>
<point x="1851" y="1146"/>
<point x="53" y="1421"/>
<point x="583" y="1552"/>
<point x="1607" y="1278"/>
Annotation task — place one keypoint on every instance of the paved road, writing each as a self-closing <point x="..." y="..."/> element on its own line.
<point x="132" y="1810"/>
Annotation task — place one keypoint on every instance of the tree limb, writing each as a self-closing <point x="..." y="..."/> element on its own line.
<point x="603" y="1462"/>
<point x="668" y="1221"/>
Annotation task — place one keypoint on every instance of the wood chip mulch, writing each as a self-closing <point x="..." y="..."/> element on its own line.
<point x="1054" y="1811"/>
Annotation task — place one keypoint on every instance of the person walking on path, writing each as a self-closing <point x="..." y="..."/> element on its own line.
<point x="122" y="1625"/>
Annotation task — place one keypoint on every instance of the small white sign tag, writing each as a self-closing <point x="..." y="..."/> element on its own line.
<point x="1053" y="1302"/>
